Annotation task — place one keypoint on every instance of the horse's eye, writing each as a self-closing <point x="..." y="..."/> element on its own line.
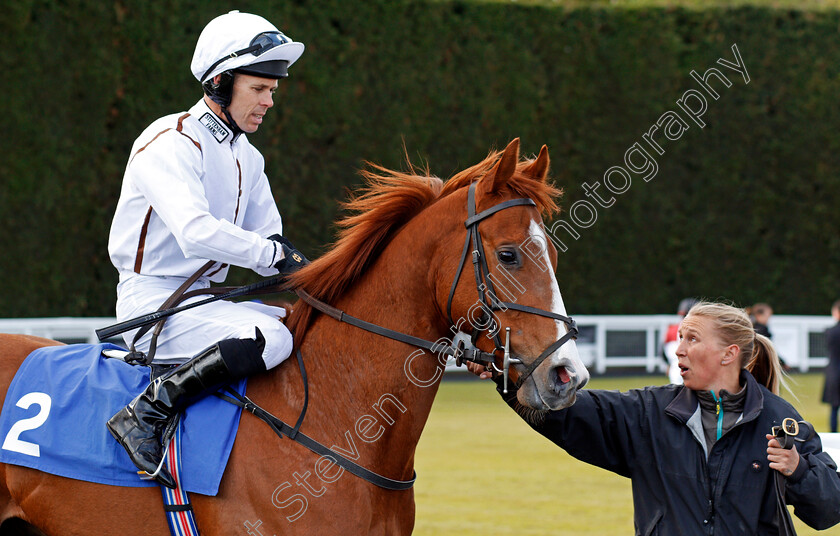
<point x="508" y="257"/>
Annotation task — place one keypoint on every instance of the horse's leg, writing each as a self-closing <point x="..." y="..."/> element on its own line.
<point x="11" y="523"/>
<point x="65" y="507"/>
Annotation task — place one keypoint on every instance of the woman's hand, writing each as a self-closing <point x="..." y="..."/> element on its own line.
<point x="782" y="460"/>
<point x="479" y="370"/>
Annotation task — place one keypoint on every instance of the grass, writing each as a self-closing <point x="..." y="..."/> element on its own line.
<point x="482" y="471"/>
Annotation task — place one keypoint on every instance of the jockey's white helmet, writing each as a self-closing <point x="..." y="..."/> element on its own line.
<point x="245" y="43"/>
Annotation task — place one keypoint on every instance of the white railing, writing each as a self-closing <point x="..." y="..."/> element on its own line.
<point x="635" y="341"/>
<point x="605" y="341"/>
<point x="831" y="445"/>
<point x="610" y="341"/>
<point x="65" y="329"/>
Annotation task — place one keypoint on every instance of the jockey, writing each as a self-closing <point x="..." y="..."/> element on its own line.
<point x="194" y="191"/>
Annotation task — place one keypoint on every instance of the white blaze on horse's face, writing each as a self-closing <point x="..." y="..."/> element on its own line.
<point x="554" y="383"/>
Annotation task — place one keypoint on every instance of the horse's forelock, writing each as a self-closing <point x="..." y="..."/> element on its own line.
<point x="521" y="184"/>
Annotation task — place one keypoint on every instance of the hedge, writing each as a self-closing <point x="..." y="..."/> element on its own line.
<point x="743" y="208"/>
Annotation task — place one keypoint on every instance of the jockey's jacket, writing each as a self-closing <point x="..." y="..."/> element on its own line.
<point x="193" y="192"/>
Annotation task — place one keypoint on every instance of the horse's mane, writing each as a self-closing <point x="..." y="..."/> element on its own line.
<point x="386" y="202"/>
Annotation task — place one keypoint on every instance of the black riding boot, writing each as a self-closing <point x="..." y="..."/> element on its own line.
<point x="139" y="425"/>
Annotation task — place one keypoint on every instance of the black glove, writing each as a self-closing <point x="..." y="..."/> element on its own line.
<point x="293" y="260"/>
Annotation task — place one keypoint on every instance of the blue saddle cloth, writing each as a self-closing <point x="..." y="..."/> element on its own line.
<point x="55" y="412"/>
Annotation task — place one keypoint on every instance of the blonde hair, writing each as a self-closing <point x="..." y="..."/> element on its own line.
<point x="734" y="326"/>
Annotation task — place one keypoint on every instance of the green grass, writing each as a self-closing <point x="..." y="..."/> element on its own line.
<point x="482" y="471"/>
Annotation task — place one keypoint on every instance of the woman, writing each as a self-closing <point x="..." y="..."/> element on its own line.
<point x="700" y="456"/>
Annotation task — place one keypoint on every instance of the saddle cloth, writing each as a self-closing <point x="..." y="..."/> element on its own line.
<point x="55" y="412"/>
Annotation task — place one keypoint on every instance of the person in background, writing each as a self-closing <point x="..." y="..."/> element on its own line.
<point x="760" y="314"/>
<point x="831" y="390"/>
<point x="700" y="456"/>
<point x="669" y="347"/>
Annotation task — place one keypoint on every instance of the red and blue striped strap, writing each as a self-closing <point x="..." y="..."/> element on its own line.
<point x="176" y="502"/>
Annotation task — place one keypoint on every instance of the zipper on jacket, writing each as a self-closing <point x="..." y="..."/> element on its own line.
<point x="719" y="412"/>
<point x="709" y="521"/>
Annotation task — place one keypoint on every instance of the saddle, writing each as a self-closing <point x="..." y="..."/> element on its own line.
<point x="54" y="416"/>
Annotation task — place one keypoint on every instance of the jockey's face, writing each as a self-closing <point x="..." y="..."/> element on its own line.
<point x="252" y="97"/>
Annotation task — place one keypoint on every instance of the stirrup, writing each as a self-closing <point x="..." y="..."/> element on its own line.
<point x="144" y="475"/>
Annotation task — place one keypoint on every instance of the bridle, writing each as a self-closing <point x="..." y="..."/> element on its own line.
<point x="464" y="348"/>
<point x="490" y="301"/>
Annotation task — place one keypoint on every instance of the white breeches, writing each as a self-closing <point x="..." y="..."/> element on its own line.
<point x="187" y="333"/>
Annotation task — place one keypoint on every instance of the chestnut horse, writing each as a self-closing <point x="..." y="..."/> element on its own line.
<point x="394" y="265"/>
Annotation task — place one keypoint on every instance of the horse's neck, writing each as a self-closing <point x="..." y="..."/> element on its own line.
<point x="379" y="390"/>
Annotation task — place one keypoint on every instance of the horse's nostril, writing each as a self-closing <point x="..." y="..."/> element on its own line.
<point x="563" y="375"/>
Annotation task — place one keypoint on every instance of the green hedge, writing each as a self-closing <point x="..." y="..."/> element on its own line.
<point x="744" y="208"/>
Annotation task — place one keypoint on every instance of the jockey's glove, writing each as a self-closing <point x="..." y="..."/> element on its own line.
<point x="293" y="260"/>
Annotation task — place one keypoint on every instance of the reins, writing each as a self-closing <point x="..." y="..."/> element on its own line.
<point x="281" y="428"/>
<point x="787" y="435"/>
<point x="135" y="356"/>
<point x="462" y="349"/>
<point x="467" y="354"/>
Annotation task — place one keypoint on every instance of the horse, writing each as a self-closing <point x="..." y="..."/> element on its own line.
<point x="396" y="264"/>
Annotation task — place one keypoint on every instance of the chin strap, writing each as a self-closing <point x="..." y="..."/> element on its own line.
<point x="232" y="124"/>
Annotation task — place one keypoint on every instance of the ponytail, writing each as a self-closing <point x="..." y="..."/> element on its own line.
<point x="764" y="364"/>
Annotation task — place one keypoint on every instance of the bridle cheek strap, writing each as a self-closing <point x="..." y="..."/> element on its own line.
<point x="484" y="286"/>
<point x="474" y="237"/>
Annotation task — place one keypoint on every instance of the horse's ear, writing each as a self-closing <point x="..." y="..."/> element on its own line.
<point x="538" y="169"/>
<point x="502" y="171"/>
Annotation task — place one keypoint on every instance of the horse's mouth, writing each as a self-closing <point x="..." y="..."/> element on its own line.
<point x="563" y="375"/>
<point x="558" y="390"/>
<point x="558" y="399"/>
<point x="554" y="386"/>
<point x="563" y="381"/>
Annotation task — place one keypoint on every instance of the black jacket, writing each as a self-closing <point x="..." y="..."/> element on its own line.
<point x="654" y="437"/>
<point x="831" y="391"/>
